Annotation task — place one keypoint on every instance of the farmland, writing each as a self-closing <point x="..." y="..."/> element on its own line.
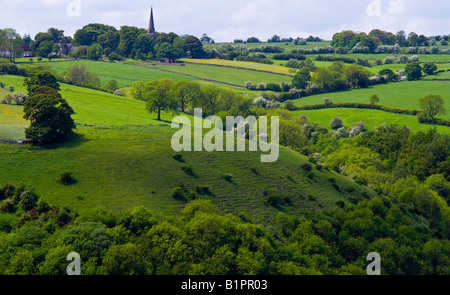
<point x="347" y="181"/>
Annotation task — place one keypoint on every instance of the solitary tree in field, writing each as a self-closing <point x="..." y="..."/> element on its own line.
<point x="49" y="115"/>
<point x="413" y="71"/>
<point x="374" y="99"/>
<point x="429" y="68"/>
<point x="432" y="105"/>
<point x="161" y="97"/>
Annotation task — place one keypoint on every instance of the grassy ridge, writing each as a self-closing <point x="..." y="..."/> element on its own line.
<point x="121" y="167"/>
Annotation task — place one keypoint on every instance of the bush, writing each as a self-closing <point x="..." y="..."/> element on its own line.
<point x="272" y="199"/>
<point x="289" y="105"/>
<point x="328" y="102"/>
<point x="374" y="99"/>
<point x="178" y="157"/>
<point x="337" y="123"/>
<point x="429" y="68"/>
<point x="188" y="170"/>
<point x="7" y="206"/>
<point x="228" y="177"/>
<point x="337" y="187"/>
<point x="306" y="166"/>
<point x="388" y="73"/>
<point x="28" y="200"/>
<point x="178" y="193"/>
<point x="11" y="88"/>
<point x="118" y="93"/>
<point x="114" y="57"/>
<point x="413" y="71"/>
<point x="273" y="87"/>
<point x="67" y="179"/>
<point x="340" y="203"/>
<point x="203" y="189"/>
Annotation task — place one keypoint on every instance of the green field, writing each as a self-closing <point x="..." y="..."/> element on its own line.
<point x="403" y="95"/>
<point x="91" y="108"/>
<point x="371" y="118"/>
<point x="125" y="160"/>
<point x="127" y="74"/>
<point x="124" y="74"/>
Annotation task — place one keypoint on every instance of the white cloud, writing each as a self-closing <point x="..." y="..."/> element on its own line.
<point x="396" y="7"/>
<point x="225" y="20"/>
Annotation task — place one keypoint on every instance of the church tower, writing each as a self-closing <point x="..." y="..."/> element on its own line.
<point x="151" y="28"/>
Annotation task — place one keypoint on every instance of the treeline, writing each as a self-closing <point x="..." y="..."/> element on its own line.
<point x="184" y="96"/>
<point x="378" y="41"/>
<point x="94" y="41"/>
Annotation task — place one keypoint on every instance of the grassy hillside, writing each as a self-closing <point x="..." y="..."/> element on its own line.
<point x="124" y="74"/>
<point x="127" y="74"/>
<point x="123" y="167"/>
<point x="123" y="159"/>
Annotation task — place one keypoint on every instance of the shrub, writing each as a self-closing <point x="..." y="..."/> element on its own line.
<point x="388" y="73"/>
<point x="118" y="93"/>
<point x="328" y="102"/>
<point x="429" y="68"/>
<point x="42" y="206"/>
<point x="114" y="57"/>
<point x="413" y="71"/>
<point x="178" y="193"/>
<point x="337" y="123"/>
<point x="340" y="203"/>
<point x="337" y="187"/>
<point x="67" y="179"/>
<point x="306" y="166"/>
<point x="7" y="206"/>
<point x="203" y="189"/>
<point x="228" y="177"/>
<point x="289" y="105"/>
<point x="374" y="99"/>
<point x="188" y="170"/>
<point x="274" y="87"/>
<point x="273" y="199"/>
<point x="28" y="200"/>
<point x="178" y="157"/>
<point x="11" y="88"/>
<point x="192" y="195"/>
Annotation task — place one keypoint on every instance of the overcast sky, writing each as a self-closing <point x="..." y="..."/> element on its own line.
<point x="226" y="20"/>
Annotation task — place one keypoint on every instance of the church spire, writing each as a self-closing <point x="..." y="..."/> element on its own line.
<point x="151" y="27"/>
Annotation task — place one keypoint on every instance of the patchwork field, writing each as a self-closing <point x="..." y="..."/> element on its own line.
<point x="123" y="159"/>
<point x="403" y="95"/>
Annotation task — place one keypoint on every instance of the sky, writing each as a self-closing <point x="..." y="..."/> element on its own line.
<point x="226" y="20"/>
